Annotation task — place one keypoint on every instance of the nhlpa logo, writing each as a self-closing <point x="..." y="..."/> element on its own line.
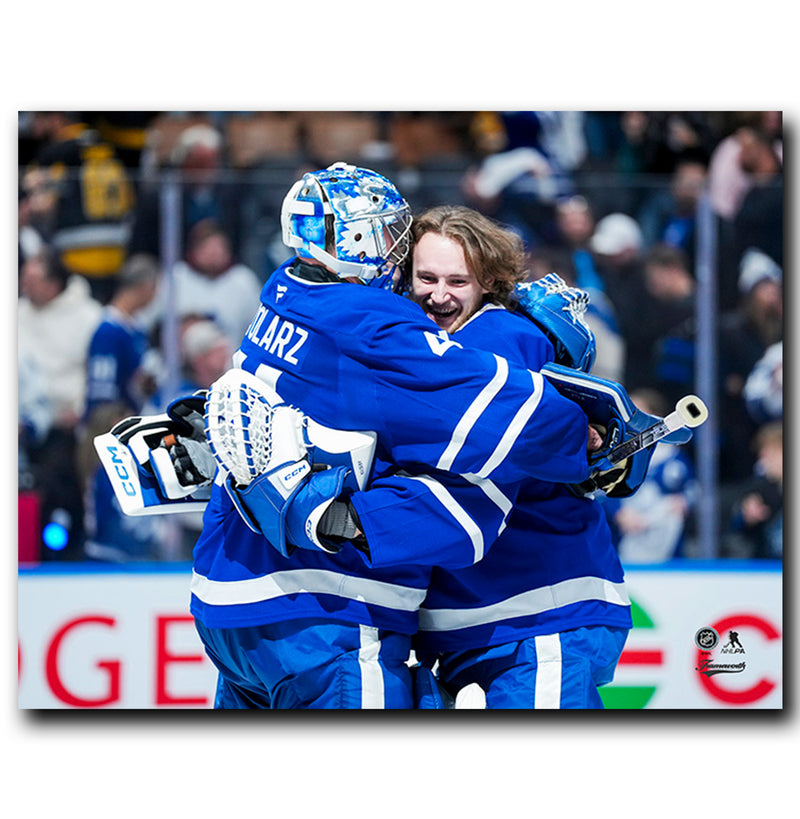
<point x="282" y="288"/>
<point x="733" y="646"/>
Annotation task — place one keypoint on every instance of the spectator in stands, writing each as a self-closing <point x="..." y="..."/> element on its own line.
<point x="728" y="181"/>
<point x="728" y="184"/>
<point x="207" y="352"/>
<point x="660" y="343"/>
<point x="211" y="283"/>
<point x="575" y="224"/>
<point x="759" y="221"/>
<point x="763" y="390"/>
<point x="29" y="237"/>
<point x="520" y="184"/>
<point x="618" y="248"/>
<point x="127" y="132"/>
<point x="756" y="523"/>
<point x="677" y="136"/>
<point x="207" y="192"/>
<point x="57" y="317"/>
<point x="745" y="334"/>
<point x="669" y="216"/>
<point x="82" y="198"/>
<point x="600" y="316"/>
<point x="119" y="343"/>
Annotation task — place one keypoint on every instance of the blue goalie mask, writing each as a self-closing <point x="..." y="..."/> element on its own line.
<point x="558" y="310"/>
<point x="352" y="220"/>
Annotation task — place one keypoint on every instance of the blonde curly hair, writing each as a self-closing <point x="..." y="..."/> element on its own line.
<point x="493" y="253"/>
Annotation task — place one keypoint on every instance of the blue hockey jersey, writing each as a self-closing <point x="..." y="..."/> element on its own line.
<point x="553" y="567"/>
<point x="354" y="357"/>
<point x="114" y="357"/>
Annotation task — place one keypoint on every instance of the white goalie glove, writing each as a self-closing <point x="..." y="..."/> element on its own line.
<point x="160" y="463"/>
<point x="284" y="472"/>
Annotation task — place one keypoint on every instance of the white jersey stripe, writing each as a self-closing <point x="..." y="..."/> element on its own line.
<point x="476" y="408"/>
<point x="514" y="428"/>
<point x="535" y="601"/>
<point x="372" y="689"/>
<point x="495" y="495"/>
<point x="268" y="375"/>
<point x="548" y="671"/>
<point x="305" y="581"/>
<point x="456" y="510"/>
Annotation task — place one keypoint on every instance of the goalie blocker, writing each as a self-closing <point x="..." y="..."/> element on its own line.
<point x="159" y="464"/>
<point x="629" y="434"/>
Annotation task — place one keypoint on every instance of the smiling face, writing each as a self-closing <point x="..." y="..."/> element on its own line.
<point x="442" y="283"/>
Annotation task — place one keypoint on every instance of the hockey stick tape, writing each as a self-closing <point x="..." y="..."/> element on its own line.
<point x="692" y="411"/>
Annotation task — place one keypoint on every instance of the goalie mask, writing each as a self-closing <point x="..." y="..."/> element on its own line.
<point x="350" y="219"/>
<point x="558" y="310"/>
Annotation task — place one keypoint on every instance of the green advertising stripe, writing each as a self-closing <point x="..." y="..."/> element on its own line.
<point x="626" y="696"/>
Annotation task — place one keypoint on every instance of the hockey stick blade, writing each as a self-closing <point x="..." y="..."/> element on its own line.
<point x="690" y="412"/>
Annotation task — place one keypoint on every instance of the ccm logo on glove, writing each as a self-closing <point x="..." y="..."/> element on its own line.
<point x="122" y="473"/>
<point x="294" y="473"/>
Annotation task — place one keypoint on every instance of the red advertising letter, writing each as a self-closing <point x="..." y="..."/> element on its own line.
<point x="112" y="667"/>
<point x="164" y="657"/>
<point x="763" y="686"/>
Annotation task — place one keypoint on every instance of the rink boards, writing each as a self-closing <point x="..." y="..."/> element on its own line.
<point x="705" y="636"/>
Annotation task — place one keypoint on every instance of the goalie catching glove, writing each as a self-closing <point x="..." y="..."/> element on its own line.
<point x="288" y="477"/>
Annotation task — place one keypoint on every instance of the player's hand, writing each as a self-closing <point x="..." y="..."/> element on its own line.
<point x="194" y="464"/>
<point x="595" y="440"/>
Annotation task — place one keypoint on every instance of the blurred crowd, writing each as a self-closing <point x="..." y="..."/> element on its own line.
<point x="609" y="200"/>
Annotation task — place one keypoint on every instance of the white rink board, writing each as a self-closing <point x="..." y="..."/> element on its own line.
<point x="663" y="654"/>
<point x="125" y="639"/>
<point x="111" y="640"/>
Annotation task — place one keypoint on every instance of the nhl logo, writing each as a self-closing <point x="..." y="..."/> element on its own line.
<point x="706" y="638"/>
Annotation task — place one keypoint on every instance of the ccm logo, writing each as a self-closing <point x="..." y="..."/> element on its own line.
<point x="288" y="477"/>
<point x="122" y="472"/>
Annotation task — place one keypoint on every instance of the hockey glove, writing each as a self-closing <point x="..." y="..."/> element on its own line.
<point x="137" y="455"/>
<point x="183" y="461"/>
<point x="617" y="481"/>
<point x="609" y="407"/>
<point x="260" y="442"/>
<point x="290" y="515"/>
<point x="285" y="472"/>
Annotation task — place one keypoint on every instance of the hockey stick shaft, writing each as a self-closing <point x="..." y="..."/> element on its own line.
<point x="690" y="411"/>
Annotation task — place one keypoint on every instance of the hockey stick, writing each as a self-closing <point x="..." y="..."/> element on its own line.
<point x="690" y="412"/>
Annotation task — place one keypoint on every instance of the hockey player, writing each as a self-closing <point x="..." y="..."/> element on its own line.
<point x="320" y="630"/>
<point x="541" y="621"/>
